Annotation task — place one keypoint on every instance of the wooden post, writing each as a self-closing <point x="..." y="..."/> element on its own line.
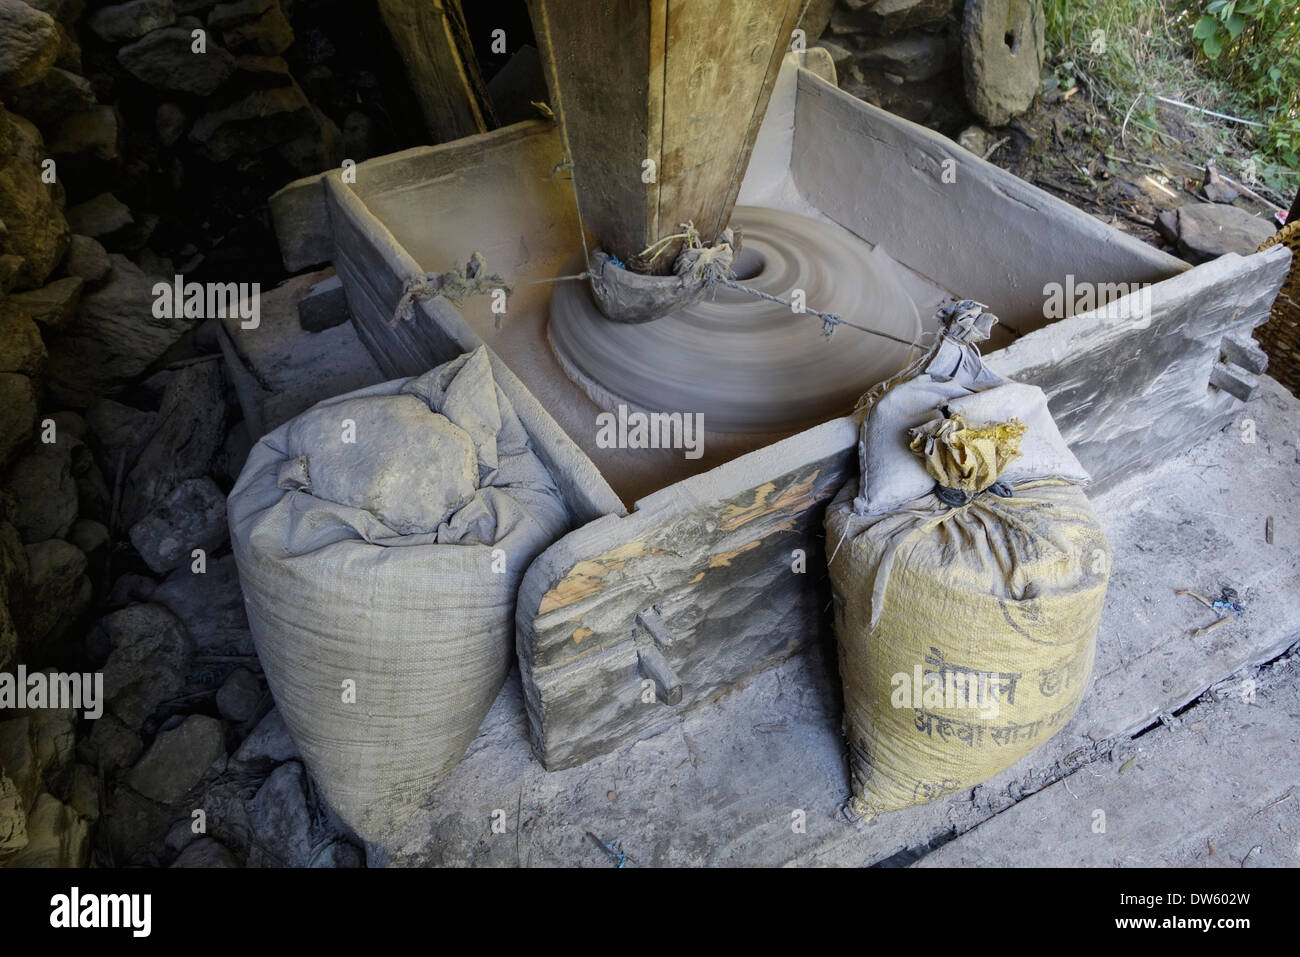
<point x="433" y="41"/>
<point x="660" y="102"/>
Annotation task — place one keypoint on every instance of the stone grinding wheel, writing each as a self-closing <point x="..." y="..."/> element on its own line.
<point x="746" y="364"/>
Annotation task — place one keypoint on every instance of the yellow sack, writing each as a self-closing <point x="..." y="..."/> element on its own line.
<point x="966" y="618"/>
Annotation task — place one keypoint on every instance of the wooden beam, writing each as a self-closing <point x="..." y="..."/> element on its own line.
<point x="680" y="84"/>
<point x="433" y="41"/>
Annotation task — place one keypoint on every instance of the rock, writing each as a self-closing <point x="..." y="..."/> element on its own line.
<point x="268" y="745"/>
<point x="164" y="59"/>
<point x="13" y="818"/>
<point x="1215" y="188"/>
<point x="911" y="58"/>
<point x="210" y="605"/>
<point x="29" y="45"/>
<point x="324" y="306"/>
<point x="340" y="854"/>
<point x="841" y="55"/>
<point x="258" y="121"/>
<point x="239" y="696"/>
<point x="321" y="148"/>
<point x="89" y="536"/>
<point x="170" y="121"/>
<point x="81" y="791"/>
<point x="130" y="21"/>
<point x="42" y="482"/>
<point x="885" y="17"/>
<point x="191" y="427"/>
<point x="268" y="35"/>
<point x="17" y="412"/>
<point x="56" y="837"/>
<point x="1002" y="57"/>
<point x="131" y="588"/>
<point x="21" y="346"/>
<point x="113" y="339"/>
<point x="90" y="134"/>
<point x="192" y="515"/>
<point x="227" y="15"/>
<point x="281" y="820"/>
<point x="55" y="303"/>
<point x="35" y="228"/>
<point x="206" y="852"/>
<point x="178" y="759"/>
<point x="13" y="586"/>
<point x="263" y="71"/>
<point x="975" y="139"/>
<point x="70" y="423"/>
<point x="121" y="431"/>
<point x="100" y="217"/>
<point x="64" y="11"/>
<point x="59" y="94"/>
<point x="53" y="734"/>
<point x="18" y="759"/>
<point x="58" y="591"/>
<point x="148" y="663"/>
<point x="86" y="259"/>
<point x="111" y="745"/>
<point x="1205" y="231"/>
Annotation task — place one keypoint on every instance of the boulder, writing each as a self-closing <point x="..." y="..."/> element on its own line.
<point x="190" y="516"/>
<point x="86" y="260"/>
<point x="227" y="15"/>
<point x="121" y="431"/>
<point x="17" y="413"/>
<point x="53" y="733"/>
<point x="165" y="59"/>
<point x="113" y="339"/>
<point x="1205" y="231"/>
<point x="210" y="605"/>
<point x="240" y="695"/>
<point x="35" y="228"/>
<point x="256" y="122"/>
<point x="18" y="759"/>
<point x="1003" y="46"/>
<point x="885" y="17"/>
<point x="55" y="303"/>
<point x="100" y="217"/>
<point x="13" y="586"/>
<point x="111" y="745"/>
<point x="56" y="837"/>
<point x="59" y="94"/>
<point x="89" y="536"/>
<point x="268" y="745"/>
<point x="41" y="482"/>
<point x="281" y="820"/>
<point x="148" y="663"/>
<point x="130" y="21"/>
<point x="178" y="759"/>
<point x="21" y="347"/>
<point x="29" y="45"/>
<point x="88" y="135"/>
<point x="206" y="852"/>
<point x="58" y="590"/>
<point x="131" y="588"/>
<point x="13" y="818"/>
<point x="191" y="427"/>
<point x="268" y="34"/>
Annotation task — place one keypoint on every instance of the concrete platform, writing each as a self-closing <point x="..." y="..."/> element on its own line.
<point x="757" y="777"/>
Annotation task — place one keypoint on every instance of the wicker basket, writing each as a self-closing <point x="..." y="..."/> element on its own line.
<point x="1280" y="335"/>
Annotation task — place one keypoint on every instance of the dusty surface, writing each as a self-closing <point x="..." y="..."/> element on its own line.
<point x="758" y="776"/>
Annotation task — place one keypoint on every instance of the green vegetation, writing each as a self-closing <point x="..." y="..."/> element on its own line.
<point x="1240" y="57"/>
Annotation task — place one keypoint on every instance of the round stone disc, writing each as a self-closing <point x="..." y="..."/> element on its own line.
<point x="747" y="364"/>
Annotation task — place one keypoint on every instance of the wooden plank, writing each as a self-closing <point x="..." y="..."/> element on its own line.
<point x="717" y="555"/>
<point x="970" y="226"/>
<point x="681" y="83"/>
<point x="1130" y="386"/>
<point x="430" y="36"/>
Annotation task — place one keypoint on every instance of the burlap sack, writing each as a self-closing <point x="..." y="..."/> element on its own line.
<point x="966" y="618"/>
<point x="380" y="576"/>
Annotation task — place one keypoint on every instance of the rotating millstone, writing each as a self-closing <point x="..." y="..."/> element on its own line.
<point x="748" y="364"/>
